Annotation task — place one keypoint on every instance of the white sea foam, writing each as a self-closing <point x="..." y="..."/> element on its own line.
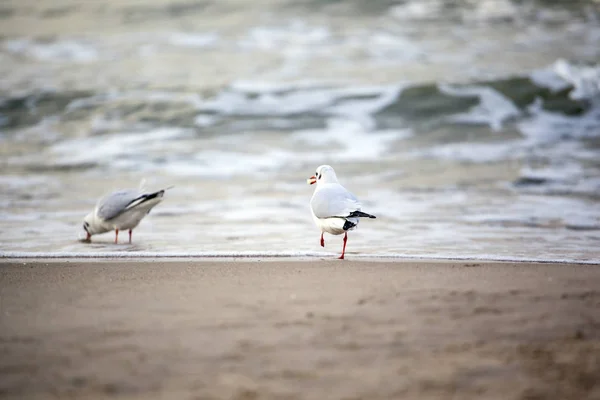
<point x="193" y="40"/>
<point x="31" y="217"/>
<point x="347" y="140"/>
<point x="270" y="87"/>
<point x="86" y="50"/>
<point x="193" y="99"/>
<point x="234" y="103"/>
<point x="232" y="163"/>
<point x="416" y="10"/>
<point x="299" y="42"/>
<point x="493" y="109"/>
<point x="569" y="171"/>
<point x="204" y="120"/>
<point x="362" y="108"/>
<point x="548" y="78"/>
<point x="12" y="182"/>
<point x="474" y="152"/>
<point x="181" y="153"/>
<point x="67" y="50"/>
<point x="282" y="100"/>
<point x="546" y="126"/>
<point x="489" y="10"/>
<point x="480" y="11"/>
<point x="585" y="80"/>
<point x="118" y="150"/>
<point x="386" y="47"/>
<point x="291" y="37"/>
<point x="214" y="158"/>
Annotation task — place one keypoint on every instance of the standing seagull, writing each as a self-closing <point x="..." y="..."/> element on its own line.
<point x="334" y="209"/>
<point x="121" y="210"/>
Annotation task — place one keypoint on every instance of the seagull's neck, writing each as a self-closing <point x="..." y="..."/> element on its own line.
<point x="96" y="225"/>
<point x="323" y="184"/>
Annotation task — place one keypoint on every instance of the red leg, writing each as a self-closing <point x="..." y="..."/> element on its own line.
<point x="322" y="240"/>
<point x="344" y="249"/>
<point x="130" y="236"/>
<point x="116" y="236"/>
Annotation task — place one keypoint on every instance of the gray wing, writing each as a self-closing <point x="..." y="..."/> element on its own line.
<point x="334" y="201"/>
<point x="116" y="203"/>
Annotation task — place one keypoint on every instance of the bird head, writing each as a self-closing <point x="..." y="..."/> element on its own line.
<point x="88" y="225"/>
<point x="324" y="174"/>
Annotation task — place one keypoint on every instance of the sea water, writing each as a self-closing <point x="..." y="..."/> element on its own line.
<point x="471" y="129"/>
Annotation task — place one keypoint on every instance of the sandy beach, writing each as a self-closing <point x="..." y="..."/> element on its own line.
<point x="304" y="329"/>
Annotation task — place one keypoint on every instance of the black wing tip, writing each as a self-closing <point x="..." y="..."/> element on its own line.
<point x="154" y="195"/>
<point x="356" y="214"/>
<point x="159" y="193"/>
<point x="144" y="198"/>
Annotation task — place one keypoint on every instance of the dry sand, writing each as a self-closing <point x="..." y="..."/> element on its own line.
<point x="215" y="329"/>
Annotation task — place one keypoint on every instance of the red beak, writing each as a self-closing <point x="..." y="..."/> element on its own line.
<point x="312" y="180"/>
<point x="88" y="237"/>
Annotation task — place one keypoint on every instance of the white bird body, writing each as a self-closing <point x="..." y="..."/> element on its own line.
<point x="333" y="226"/>
<point x="331" y="205"/>
<point x="335" y="210"/>
<point x="120" y="210"/>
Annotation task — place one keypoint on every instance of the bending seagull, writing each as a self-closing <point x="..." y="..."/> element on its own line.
<point x="334" y="209"/>
<point x="120" y="210"/>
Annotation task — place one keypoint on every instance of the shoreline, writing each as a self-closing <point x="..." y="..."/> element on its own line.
<point x="7" y="257"/>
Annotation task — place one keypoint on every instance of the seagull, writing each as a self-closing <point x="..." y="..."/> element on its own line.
<point x="334" y="209"/>
<point x="120" y="210"/>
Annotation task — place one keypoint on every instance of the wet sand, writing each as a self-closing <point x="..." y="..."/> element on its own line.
<point x="308" y="329"/>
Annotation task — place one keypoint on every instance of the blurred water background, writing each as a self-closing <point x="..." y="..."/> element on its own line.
<point x="471" y="128"/>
